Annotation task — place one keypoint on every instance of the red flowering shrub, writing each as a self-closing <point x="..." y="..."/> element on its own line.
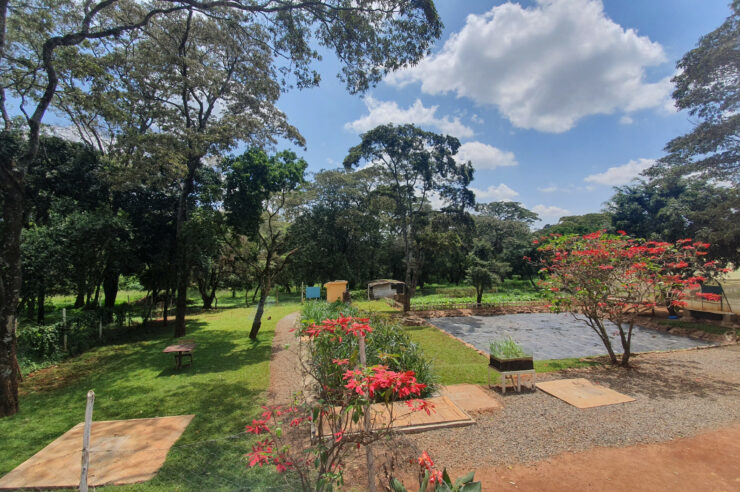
<point x="332" y="424"/>
<point x="613" y="277"/>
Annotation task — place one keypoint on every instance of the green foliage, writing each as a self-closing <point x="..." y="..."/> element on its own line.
<point x="412" y="164"/>
<point x="506" y="348"/>
<point x="674" y="207"/>
<point x="133" y="379"/>
<point x="251" y="179"/>
<point x="462" y="484"/>
<point x="388" y="344"/>
<point x="510" y="296"/>
<point x="580" y="224"/>
<point x="706" y="85"/>
<point x="39" y="345"/>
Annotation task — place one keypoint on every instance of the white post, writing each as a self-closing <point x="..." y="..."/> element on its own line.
<point x="368" y="425"/>
<point x="64" y="324"/>
<point x="86" y="441"/>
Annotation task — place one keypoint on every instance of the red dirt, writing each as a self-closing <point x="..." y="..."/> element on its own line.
<point x="705" y="462"/>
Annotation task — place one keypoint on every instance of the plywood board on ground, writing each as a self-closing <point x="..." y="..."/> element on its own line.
<point x="581" y="393"/>
<point x="121" y="452"/>
<point x="402" y="419"/>
<point x="471" y="398"/>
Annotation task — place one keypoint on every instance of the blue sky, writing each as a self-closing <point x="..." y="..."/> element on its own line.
<point x="555" y="101"/>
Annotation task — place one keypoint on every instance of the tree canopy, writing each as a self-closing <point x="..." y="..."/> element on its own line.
<point x="708" y="87"/>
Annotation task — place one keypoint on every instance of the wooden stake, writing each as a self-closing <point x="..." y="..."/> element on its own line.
<point x="64" y="326"/>
<point x="86" y="440"/>
<point x="368" y="425"/>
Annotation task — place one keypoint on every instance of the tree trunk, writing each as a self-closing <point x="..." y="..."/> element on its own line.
<point x="257" y="323"/>
<point x="478" y="295"/>
<point x="96" y="300"/>
<point x="80" y="300"/>
<point x="41" y="314"/>
<point x="11" y="185"/>
<point x="166" y="306"/>
<point x="183" y="272"/>
<point x="110" y="290"/>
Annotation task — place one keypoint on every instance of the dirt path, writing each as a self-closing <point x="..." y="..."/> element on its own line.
<point x="285" y="370"/>
<point x="704" y="462"/>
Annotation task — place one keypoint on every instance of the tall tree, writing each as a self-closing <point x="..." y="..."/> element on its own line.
<point x="708" y="86"/>
<point x="257" y="189"/>
<point x="414" y="164"/>
<point x="371" y="38"/>
<point x="674" y="207"/>
<point x="485" y="270"/>
<point x="341" y="230"/>
<point x="506" y="227"/>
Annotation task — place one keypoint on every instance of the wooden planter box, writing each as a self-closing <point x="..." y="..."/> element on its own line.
<point x="507" y="365"/>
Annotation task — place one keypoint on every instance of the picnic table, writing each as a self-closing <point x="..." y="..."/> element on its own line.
<point x="184" y="348"/>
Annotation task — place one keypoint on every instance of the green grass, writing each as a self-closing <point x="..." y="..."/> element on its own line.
<point x="376" y="306"/>
<point x="224" y="389"/>
<point x="456" y="363"/>
<point x="448" y="295"/>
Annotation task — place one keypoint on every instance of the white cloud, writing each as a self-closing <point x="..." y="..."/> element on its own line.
<point x="626" y="120"/>
<point x="500" y="193"/>
<point x="484" y="156"/>
<point x="383" y="112"/>
<point x="550" y="211"/>
<point x="550" y="189"/>
<point x="620" y="175"/>
<point x="547" y="66"/>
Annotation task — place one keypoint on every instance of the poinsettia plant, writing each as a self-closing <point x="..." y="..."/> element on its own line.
<point x="313" y="437"/>
<point x="431" y="478"/>
<point x="604" y="277"/>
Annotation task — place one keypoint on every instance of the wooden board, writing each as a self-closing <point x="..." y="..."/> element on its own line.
<point x="402" y="419"/>
<point x="581" y="393"/>
<point x="121" y="452"/>
<point x="471" y="397"/>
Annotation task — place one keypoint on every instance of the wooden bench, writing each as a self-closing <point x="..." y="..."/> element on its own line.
<point x="184" y="348"/>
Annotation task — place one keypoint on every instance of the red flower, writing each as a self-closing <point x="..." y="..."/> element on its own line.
<point x="258" y="427"/>
<point x="621" y="233"/>
<point x="425" y="461"/>
<point x="435" y="476"/>
<point x="418" y="405"/>
<point x="340" y="362"/>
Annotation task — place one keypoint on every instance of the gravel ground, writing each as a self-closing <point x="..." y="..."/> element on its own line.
<point x="678" y="394"/>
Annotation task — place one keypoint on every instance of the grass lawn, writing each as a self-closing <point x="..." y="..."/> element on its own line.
<point x="456" y="363"/>
<point x="224" y="389"/>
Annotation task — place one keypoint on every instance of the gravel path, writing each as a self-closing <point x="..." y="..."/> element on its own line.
<point x="285" y="369"/>
<point x="678" y="394"/>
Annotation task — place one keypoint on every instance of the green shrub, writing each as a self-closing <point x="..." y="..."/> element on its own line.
<point x="388" y="344"/>
<point x="39" y="345"/>
<point x="507" y="348"/>
<point x="317" y="311"/>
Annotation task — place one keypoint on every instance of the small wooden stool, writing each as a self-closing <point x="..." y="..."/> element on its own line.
<point x="510" y="375"/>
